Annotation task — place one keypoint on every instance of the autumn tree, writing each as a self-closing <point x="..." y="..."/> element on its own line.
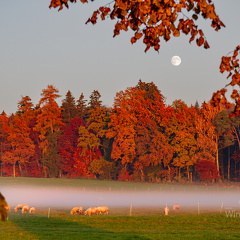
<point x="207" y="137"/>
<point x="207" y="170"/>
<point x="122" y="129"/>
<point x="155" y="20"/>
<point x="92" y="135"/>
<point x="230" y="65"/>
<point x="88" y="144"/>
<point x="137" y="129"/>
<point x="68" y="147"/>
<point x="152" y="144"/>
<point x="102" y="168"/>
<point x="182" y="134"/>
<point x="26" y="109"/>
<point x="27" y="113"/>
<point x="48" y="125"/>
<point x="4" y="141"/>
<point x="22" y="147"/>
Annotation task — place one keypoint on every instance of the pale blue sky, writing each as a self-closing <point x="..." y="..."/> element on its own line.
<point x="41" y="46"/>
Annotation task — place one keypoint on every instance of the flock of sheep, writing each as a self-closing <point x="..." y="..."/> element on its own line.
<point x="24" y="208"/>
<point x="90" y="211"/>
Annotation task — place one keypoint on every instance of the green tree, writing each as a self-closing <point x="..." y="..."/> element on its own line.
<point x="69" y="109"/>
<point x="81" y="107"/>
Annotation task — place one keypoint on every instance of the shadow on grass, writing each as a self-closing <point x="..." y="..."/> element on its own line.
<point x="65" y="227"/>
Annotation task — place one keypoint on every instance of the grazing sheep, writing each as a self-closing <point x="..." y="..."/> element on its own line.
<point x="176" y="207"/>
<point x="25" y="209"/>
<point x="102" y="210"/>
<point x="91" y="211"/>
<point x="32" y="210"/>
<point x="19" y="207"/>
<point x="3" y="206"/>
<point x="76" y="210"/>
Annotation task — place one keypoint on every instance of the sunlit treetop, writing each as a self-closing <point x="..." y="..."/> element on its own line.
<point x="154" y="20"/>
<point x="229" y="64"/>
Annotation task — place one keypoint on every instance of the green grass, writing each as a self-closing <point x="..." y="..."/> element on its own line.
<point x="58" y="226"/>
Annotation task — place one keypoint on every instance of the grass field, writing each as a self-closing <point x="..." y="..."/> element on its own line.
<point x="145" y="223"/>
<point x="59" y="226"/>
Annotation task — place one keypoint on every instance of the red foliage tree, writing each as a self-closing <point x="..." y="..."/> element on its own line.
<point x="68" y="142"/>
<point x="207" y="170"/>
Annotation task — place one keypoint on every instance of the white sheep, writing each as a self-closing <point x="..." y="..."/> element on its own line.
<point x="76" y="210"/>
<point x="32" y="210"/>
<point x="176" y="207"/>
<point x="102" y="210"/>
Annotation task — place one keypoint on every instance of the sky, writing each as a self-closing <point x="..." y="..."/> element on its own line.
<point x="41" y="47"/>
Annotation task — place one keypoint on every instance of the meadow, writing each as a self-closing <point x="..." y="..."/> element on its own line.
<point x="144" y="222"/>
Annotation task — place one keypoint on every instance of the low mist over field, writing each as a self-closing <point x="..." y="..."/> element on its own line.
<point x="44" y="196"/>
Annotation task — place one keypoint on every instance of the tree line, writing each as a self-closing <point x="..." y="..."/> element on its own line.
<point x="139" y="138"/>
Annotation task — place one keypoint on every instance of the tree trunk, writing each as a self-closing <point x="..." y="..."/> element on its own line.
<point x="189" y="174"/>
<point x="169" y="173"/>
<point x="14" y="170"/>
<point x="217" y="158"/>
<point x="142" y="175"/>
<point x="20" y="169"/>
<point x="229" y="165"/>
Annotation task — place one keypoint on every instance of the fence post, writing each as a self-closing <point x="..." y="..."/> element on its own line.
<point x="48" y="212"/>
<point x="130" y="211"/>
<point x="221" y="208"/>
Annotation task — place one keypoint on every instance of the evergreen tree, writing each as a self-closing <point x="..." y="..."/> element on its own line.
<point x="69" y="109"/>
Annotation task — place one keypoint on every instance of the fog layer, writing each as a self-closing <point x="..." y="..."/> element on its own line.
<point x="69" y="197"/>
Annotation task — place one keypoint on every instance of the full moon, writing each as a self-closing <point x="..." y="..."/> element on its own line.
<point x="176" y="60"/>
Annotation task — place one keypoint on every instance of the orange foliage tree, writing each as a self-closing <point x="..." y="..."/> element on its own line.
<point x="91" y="136"/>
<point x="27" y="113"/>
<point x="207" y="137"/>
<point x="229" y="64"/>
<point x="137" y="127"/>
<point x="22" y="147"/>
<point x="48" y="125"/>
<point x="182" y="134"/>
<point x="154" y="20"/>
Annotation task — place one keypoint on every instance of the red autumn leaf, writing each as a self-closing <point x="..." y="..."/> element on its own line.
<point x="133" y="40"/>
<point x="163" y="16"/>
<point x="200" y="41"/>
<point x="138" y="35"/>
<point x="206" y="45"/>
